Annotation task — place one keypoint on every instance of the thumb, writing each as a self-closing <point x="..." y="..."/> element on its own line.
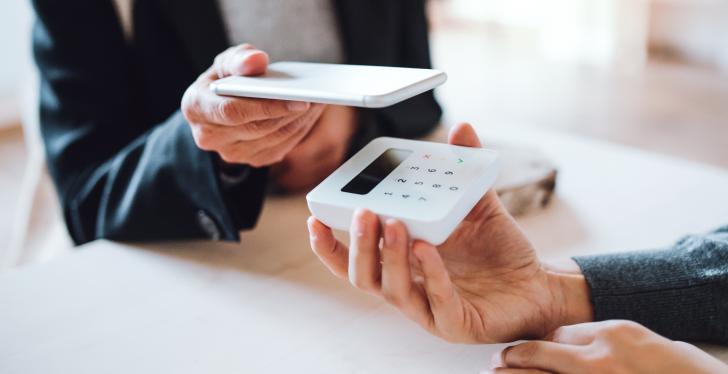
<point x="241" y="60"/>
<point x="464" y="134"/>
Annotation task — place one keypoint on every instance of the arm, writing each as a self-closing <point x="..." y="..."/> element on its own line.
<point x="121" y="177"/>
<point x="114" y="179"/>
<point x="486" y="283"/>
<point x="680" y="292"/>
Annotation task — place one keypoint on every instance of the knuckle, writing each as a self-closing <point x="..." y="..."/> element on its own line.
<point x="201" y="140"/>
<point x="623" y="328"/>
<point x="202" y="144"/>
<point x="227" y="157"/>
<point x="683" y="345"/>
<point x="190" y="105"/>
<point x="558" y="334"/>
<point x="206" y="138"/>
<point x="258" y="162"/>
<point x="278" y="158"/>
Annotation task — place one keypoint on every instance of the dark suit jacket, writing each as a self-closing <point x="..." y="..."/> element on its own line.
<point x="122" y="156"/>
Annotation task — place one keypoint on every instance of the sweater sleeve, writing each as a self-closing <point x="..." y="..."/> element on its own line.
<point x="680" y="292"/>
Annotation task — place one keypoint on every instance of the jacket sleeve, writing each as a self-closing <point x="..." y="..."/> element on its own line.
<point x="118" y="177"/>
<point x="680" y="292"/>
<point x="415" y="117"/>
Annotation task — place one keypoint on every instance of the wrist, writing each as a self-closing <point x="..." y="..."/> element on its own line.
<point x="570" y="293"/>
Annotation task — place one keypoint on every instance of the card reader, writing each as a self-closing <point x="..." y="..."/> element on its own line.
<point x="430" y="187"/>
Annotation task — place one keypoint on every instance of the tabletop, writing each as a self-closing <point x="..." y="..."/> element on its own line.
<point x="267" y="304"/>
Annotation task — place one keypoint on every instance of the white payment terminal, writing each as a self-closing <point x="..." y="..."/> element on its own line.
<point x="430" y="187"/>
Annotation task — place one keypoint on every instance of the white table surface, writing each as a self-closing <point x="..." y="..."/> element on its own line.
<point x="267" y="305"/>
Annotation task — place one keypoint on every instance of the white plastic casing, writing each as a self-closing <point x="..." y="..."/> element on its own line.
<point x="431" y="191"/>
<point x="352" y="85"/>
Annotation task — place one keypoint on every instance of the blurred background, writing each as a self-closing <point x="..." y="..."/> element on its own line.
<point x="651" y="74"/>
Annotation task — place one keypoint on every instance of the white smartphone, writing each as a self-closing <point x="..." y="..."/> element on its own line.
<point x="430" y="187"/>
<point x="350" y="85"/>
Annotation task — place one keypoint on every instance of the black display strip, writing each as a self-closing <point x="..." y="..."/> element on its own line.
<point x="377" y="171"/>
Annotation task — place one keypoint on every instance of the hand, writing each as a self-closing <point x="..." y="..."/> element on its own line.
<point x="605" y="347"/>
<point x="256" y="132"/>
<point x="484" y="284"/>
<point x="320" y="153"/>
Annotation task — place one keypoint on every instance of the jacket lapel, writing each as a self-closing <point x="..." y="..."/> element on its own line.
<point x="200" y="27"/>
<point x="368" y="30"/>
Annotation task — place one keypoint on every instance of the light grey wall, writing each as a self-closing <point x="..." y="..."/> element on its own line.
<point x="15" y="23"/>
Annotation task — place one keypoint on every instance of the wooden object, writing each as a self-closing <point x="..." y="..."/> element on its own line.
<point x="527" y="180"/>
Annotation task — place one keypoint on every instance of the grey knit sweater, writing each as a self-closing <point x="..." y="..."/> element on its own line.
<point x="680" y="292"/>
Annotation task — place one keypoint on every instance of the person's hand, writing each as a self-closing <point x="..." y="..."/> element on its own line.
<point x="255" y="132"/>
<point x="320" y="153"/>
<point x="605" y="347"/>
<point x="484" y="284"/>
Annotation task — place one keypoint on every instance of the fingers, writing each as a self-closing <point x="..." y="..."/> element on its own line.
<point x="397" y="286"/>
<point x="463" y="134"/>
<point x="309" y="117"/>
<point x="329" y="250"/>
<point x="260" y="134"/>
<point x="440" y="291"/>
<point x="201" y="105"/>
<point x="364" y="266"/>
<point x="549" y="356"/>
<point x="264" y="151"/>
<point x="209" y="137"/>
<point x="241" y="60"/>
<point x="287" y="138"/>
<point x="320" y="153"/>
<point x="238" y="111"/>
<point x="396" y="277"/>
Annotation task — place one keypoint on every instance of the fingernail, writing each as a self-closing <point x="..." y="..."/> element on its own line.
<point x="496" y="360"/>
<point x="360" y="226"/>
<point x="390" y="233"/>
<point x="503" y="354"/>
<point x="297" y="106"/>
